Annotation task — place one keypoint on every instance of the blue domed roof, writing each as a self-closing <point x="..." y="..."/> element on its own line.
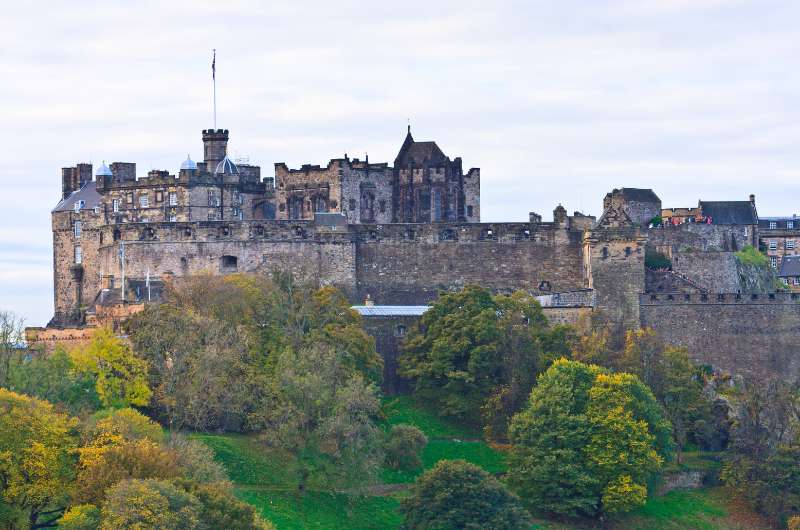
<point x="188" y="163"/>
<point x="103" y="170"/>
<point x="227" y="167"/>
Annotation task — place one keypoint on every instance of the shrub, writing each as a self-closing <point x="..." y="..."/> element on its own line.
<point x="750" y="256"/>
<point x="457" y="494"/>
<point x="404" y="443"/>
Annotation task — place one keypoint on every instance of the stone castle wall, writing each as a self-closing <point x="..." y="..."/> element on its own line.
<point x="411" y="263"/>
<point x="754" y="335"/>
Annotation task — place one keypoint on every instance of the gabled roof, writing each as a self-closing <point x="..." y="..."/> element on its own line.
<point x="790" y="267"/>
<point x="88" y="194"/>
<point x="730" y="212"/>
<point x="420" y="152"/>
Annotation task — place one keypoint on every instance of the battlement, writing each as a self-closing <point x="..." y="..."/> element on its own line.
<point x="715" y="299"/>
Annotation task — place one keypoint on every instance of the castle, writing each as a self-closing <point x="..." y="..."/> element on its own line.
<point x="400" y="234"/>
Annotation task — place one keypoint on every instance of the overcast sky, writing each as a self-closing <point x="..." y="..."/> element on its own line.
<point x="556" y="102"/>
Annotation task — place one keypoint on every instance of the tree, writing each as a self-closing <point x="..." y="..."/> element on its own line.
<point x="403" y="445"/>
<point x="457" y="494"/>
<point x="12" y="336"/>
<point x="762" y="464"/>
<point x="158" y="504"/>
<point x="473" y="352"/>
<point x="324" y="416"/>
<point x="53" y="378"/>
<point x="36" y="463"/>
<point x="80" y="517"/>
<point x="120" y="376"/>
<point x="588" y="442"/>
<point x="220" y="509"/>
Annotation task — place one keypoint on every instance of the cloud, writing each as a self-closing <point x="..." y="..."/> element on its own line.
<point x="556" y="102"/>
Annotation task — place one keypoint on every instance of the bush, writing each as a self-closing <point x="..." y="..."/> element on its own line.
<point x="403" y="445"/>
<point x="150" y="504"/>
<point x="457" y="494"/>
<point x="750" y="256"/>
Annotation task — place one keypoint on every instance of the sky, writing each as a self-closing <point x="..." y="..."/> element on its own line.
<point x="556" y="102"/>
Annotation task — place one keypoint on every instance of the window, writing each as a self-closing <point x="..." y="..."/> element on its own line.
<point x="469" y="211"/>
<point x="352" y="204"/>
<point x="159" y="196"/>
<point x="745" y="231"/>
<point x="144" y="202"/>
<point x="773" y="225"/>
<point x="789" y="224"/>
<point x="115" y="205"/>
<point x="77" y="228"/>
<point x="78" y="205"/>
<point x="790" y="244"/>
<point x="78" y="255"/>
<point x="382" y="206"/>
<point x="400" y="331"/>
<point x="97" y="210"/>
<point x="228" y="263"/>
<point x="212" y="216"/>
<point x="213" y="200"/>
<point x="773" y="245"/>
<point x="173" y="218"/>
<point x="774" y="262"/>
<point x="129" y="198"/>
<point x="173" y="198"/>
<point x="797" y="280"/>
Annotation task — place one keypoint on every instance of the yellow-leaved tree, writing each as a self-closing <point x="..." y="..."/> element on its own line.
<point x="120" y="376"/>
<point x="36" y="461"/>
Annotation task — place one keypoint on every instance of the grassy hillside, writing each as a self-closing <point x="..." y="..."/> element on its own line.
<point x="266" y="479"/>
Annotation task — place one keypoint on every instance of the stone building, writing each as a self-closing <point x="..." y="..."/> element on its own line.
<point x="423" y="186"/>
<point x="780" y="238"/>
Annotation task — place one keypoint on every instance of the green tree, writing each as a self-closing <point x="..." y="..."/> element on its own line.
<point x="220" y="509"/>
<point x="157" y="504"/>
<point x="403" y="445"/>
<point x="36" y="462"/>
<point x="472" y="353"/>
<point x="120" y="376"/>
<point x="457" y="494"/>
<point x="324" y="415"/>
<point x="12" y="335"/>
<point x="588" y="442"/>
<point x="52" y="377"/>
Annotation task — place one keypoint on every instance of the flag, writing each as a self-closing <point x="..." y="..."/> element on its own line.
<point x="214" y="66"/>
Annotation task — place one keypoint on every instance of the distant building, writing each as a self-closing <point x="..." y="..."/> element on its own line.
<point x="780" y="238"/>
<point x="640" y="205"/>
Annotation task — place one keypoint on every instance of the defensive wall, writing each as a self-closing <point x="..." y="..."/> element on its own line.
<point x="749" y="334"/>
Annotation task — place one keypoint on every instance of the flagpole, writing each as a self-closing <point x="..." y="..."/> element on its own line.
<point x="214" y="77"/>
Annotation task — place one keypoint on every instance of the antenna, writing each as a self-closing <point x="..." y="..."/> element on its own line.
<point x="214" y="79"/>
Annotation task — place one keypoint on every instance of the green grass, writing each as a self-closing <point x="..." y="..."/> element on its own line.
<point x="331" y="511"/>
<point x="477" y="453"/>
<point x="249" y="463"/>
<point x="403" y="409"/>
<point x="678" y="509"/>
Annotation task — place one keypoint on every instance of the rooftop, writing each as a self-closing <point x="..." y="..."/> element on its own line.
<point x="790" y="267"/>
<point x="730" y="212"/>
<point x="88" y="194"/>
<point x="391" y="310"/>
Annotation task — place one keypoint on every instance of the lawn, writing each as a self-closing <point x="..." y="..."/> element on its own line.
<point x="265" y="478"/>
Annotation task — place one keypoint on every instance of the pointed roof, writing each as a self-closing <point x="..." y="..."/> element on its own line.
<point x="419" y="152"/>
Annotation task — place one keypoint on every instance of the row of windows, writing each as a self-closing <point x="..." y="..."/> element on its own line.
<point x="144" y="200"/>
<point x="788" y="245"/>
<point x="774" y="224"/>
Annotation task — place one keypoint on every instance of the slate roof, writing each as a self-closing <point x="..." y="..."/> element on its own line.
<point x="391" y="310"/>
<point x="780" y="222"/>
<point x="640" y="195"/>
<point x="790" y="267"/>
<point x="88" y="194"/>
<point x="730" y="212"/>
<point x="419" y="152"/>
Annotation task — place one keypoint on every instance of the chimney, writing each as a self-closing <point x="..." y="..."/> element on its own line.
<point x="369" y="302"/>
<point x="752" y="198"/>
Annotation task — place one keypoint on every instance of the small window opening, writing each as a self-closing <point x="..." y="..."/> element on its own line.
<point x="229" y="263"/>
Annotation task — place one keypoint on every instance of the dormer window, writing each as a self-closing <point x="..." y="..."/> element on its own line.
<point x="773" y="225"/>
<point x="78" y="205"/>
<point x="790" y="224"/>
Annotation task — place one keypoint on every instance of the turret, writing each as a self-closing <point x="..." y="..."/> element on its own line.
<point x="215" y="147"/>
